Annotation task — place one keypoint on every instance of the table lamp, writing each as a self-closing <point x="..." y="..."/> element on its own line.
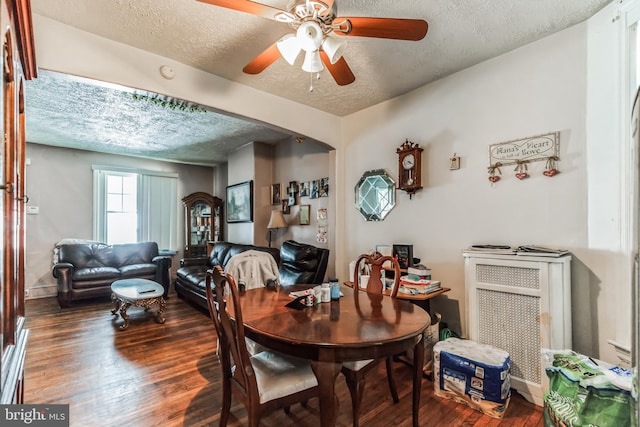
<point x="276" y="221"/>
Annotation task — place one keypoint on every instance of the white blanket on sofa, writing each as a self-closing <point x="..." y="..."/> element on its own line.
<point x="252" y="268"/>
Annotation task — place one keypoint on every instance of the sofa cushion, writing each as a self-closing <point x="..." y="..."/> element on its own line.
<point x="193" y="274"/>
<point x="137" y="270"/>
<point x="87" y="256"/>
<point x="95" y="273"/>
<point x="134" y="253"/>
<point x="302" y="263"/>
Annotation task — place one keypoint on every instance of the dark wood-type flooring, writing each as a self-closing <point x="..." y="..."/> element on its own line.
<point x="168" y="375"/>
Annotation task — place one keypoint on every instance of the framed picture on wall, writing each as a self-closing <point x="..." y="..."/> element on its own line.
<point x="240" y="202"/>
<point x="305" y="213"/>
<point x="286" y="209"/>
<point x="276" y="193"/>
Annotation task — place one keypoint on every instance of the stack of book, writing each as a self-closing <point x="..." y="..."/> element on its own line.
<point x="540" y="251"/>
<point x="418" y="281"/>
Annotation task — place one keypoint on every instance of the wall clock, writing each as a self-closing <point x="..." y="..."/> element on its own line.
<point x="409" y="167"/>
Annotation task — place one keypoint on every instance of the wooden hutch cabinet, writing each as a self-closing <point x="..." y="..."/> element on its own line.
<point x="18" y="63"/>
<point x="203" y="222"/>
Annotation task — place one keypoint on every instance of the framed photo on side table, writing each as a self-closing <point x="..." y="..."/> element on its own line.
<point x="404" y="255"/>
<point x="240" y="202"/>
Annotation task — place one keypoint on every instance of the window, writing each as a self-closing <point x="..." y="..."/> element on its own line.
<point x="135" y="206"/>
<point x="121" y="209"/>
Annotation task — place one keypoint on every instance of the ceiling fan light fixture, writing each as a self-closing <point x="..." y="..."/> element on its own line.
<point x="312" y="62"/>
<point x="310" y="36"/>
<point x="289" y="48"/>
<point x="334" y="48"/>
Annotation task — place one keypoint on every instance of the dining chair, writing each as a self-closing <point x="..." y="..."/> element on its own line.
<point x="264" y="382"/>
<point x="356" y="371"/>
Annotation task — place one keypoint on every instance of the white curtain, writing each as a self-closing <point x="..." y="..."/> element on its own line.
<point x="158" y="210"/>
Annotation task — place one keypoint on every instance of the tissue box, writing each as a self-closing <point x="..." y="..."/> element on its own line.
<point x="474" y="374"/>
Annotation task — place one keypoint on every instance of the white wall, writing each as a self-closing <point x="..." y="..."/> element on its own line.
<point x="300" y="162"/>
<point x="536" y="89"/>
<point x="60" y="182"/>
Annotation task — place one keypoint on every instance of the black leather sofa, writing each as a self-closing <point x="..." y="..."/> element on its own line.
<point x="86" y="270"/>
<point x="297" y="263"/>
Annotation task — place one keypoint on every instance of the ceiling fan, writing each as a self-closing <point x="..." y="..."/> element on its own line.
<point x="316" y="24"/>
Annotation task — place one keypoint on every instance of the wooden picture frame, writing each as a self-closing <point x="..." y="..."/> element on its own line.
<point x="240" y="202"/>
<point x="305" y="214"/>
<point x="276" y="194"/>
<point x="286" y="209"/>
<point x="404" y="255"/>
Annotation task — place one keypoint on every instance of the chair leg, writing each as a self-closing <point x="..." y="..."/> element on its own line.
<point x="356" y="388"/>
<point x="226" y="402"/>
<point x="392" y="383"/>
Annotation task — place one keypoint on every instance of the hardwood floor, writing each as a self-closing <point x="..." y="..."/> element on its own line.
<point x="168" y="375"/>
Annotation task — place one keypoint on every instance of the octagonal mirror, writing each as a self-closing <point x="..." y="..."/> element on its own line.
<point x="375" y="195"/>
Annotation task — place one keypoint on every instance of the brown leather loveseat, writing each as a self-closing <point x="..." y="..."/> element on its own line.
<point x="86" y="270"/>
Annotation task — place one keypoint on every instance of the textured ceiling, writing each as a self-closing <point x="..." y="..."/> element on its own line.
<point x="78" y="113"/>
<point x="221" y="41"/>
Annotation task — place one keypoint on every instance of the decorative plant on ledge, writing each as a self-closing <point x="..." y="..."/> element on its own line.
<point x="170" y="103"/>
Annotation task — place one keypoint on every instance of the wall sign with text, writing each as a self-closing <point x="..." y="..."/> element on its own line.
<point x="523" y="151"/>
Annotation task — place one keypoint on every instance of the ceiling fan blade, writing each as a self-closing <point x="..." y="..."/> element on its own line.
<point x="385" y="28"/>
<point x="247" y="6"/>
<point x="262" y="61"/>
<point x="340" y="70"/>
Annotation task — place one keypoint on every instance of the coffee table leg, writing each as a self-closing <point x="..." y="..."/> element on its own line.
<point x="116" y="304"/>
<point x="123" y="312"/>
<point x="162" y="303"/>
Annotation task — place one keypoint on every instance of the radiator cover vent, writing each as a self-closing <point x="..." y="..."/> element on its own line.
<point x="510" y="322"/>
<point x="520" y="304"/>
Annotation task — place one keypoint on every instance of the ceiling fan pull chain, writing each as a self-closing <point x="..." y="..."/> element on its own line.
<point x="310" y="82"/>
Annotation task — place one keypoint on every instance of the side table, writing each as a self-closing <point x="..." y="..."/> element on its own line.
<point x="139" y="293"/>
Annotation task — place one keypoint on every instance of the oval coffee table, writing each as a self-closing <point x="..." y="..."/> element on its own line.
<point x="137" y="293"/>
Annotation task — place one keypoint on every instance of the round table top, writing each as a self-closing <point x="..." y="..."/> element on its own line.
<point x="136" y="289"/>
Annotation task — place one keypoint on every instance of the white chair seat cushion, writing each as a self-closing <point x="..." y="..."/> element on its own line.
<point x="278" y="375"/>
<point x="356" y="365"/>
<point x="253" y="347"/>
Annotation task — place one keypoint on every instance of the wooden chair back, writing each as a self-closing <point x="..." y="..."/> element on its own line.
<point x="375" y="262"/>
<point x="231" y="338"/>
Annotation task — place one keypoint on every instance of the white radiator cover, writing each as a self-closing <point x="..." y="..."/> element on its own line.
<point x="520" y="304"/>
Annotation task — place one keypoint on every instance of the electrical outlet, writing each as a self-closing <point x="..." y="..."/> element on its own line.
<point x="26" y="293"/>
<point x="455" y="163"/>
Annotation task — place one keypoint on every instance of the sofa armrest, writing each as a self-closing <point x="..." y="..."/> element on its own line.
<point x="188" y="262"/>
<point x="63" y="271"/>
<point x="163" y="265"/>
<point x="162" y="260"/>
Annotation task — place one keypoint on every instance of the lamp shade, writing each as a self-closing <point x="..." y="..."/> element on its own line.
<point x="312" y="62"/>
<point x="334" y="48"/>
<point x="277" y="220"/>
<point x="289" y="48"/>
<point x="309" y="36"/>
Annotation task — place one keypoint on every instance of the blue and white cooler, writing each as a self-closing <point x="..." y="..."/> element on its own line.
<point x="474" y="374"/>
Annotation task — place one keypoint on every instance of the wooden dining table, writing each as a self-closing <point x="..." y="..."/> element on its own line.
<point x="369" y="326"/>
